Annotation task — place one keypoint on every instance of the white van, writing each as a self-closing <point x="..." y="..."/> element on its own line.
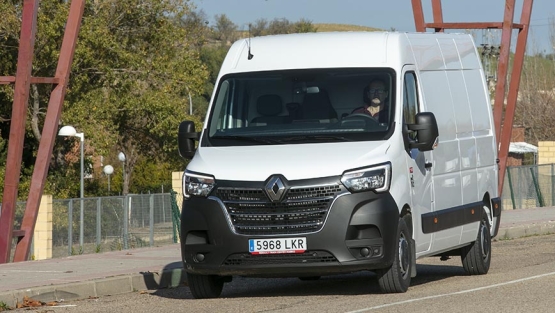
<point x="293" y="177"/>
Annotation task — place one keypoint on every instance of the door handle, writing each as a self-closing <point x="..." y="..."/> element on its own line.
<point x="428" y="164"/>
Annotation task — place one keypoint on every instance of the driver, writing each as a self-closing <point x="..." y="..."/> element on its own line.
<point x="374" y="97"/>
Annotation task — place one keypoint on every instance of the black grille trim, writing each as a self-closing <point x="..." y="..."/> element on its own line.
<point x="304" y="209"/>
<point x="307" y="257"/>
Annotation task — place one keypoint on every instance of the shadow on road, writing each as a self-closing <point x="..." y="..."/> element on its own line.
<point x="359" y="283"/>
<point x="172" y="276"/>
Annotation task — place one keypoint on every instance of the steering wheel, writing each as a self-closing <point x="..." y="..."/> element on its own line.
<point x="369" y="121"/>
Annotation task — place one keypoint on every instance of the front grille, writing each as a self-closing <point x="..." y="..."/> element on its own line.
<point x="303" y="210"/>
<point x="245" y="259"/>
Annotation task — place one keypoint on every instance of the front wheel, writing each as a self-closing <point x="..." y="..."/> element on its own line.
<point x="309" y="278"/>
<point x="476" y="257"/>
<point x="205" y="286"/>
<point x="396" y="279"/>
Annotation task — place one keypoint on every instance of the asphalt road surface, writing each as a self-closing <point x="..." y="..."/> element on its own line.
<point x="521" y="279"/>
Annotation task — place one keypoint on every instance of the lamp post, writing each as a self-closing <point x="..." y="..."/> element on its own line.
<point x="190" y="101"/>
<point x="108" y="170"/>
<point x="69" y="131"/>
<point x="121" y="157"/>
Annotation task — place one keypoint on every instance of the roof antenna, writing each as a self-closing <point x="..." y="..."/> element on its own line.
<point x="249" y="55"/>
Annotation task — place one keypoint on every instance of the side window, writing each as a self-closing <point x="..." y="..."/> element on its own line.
<point x="410" y="100"/>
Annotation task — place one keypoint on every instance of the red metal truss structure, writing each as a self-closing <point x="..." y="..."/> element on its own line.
<point x="22" y="81"/>
<point x="503" y="122"/>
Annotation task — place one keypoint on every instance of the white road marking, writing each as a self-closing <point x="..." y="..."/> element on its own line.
<point x="452" y="293"/>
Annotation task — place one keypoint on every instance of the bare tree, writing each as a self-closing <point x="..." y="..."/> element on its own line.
<point x="536" y="99"/>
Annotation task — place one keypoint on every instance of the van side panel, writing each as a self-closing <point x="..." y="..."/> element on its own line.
<point x="446" y="169"/>
<point x="450" y="54"/>
<point x="453" y="88"/>
<point x="467" y="53"/>
<point x="485" y="139"/>
<point x="467" y="144"/>
<point x="427" y="56"/>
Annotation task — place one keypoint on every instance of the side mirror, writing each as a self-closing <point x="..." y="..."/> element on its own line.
<point x="427" y="133"/>
<point x="186" y="137"/>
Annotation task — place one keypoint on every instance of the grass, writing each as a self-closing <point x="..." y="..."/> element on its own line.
<point x="4" y="306"/>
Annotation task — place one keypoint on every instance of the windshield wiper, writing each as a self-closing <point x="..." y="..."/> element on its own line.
<point x="315" y="138"/>
<point x="248" y="138"/>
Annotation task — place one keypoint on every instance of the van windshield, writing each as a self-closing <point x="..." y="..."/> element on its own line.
<point x="302" y="106"/>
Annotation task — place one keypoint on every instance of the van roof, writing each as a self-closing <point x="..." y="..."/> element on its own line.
<point x="346" y="49"/>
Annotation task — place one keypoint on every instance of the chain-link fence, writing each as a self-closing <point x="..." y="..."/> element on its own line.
<point x="529" y="186"/>
<point x="95" y="225"/>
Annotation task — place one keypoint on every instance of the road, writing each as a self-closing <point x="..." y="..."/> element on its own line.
<point x="521" y="279"/>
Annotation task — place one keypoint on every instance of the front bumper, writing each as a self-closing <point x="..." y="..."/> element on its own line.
<point x="211" y="246"/>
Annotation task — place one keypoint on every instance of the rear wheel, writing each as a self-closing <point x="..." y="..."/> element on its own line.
<point x="396" y="279"/>
<point x="205" y="286"/>
<point x="476" y="257"/>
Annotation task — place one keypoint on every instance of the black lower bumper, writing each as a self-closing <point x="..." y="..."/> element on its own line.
<point x="355" y="222"/>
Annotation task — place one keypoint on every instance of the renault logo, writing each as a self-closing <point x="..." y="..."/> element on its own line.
<point x="275" y="189"/>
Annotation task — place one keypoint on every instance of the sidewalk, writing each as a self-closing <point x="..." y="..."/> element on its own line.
<point x="111" y="273"/>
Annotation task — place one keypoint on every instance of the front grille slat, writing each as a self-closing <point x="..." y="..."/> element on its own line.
<point x="302" y="210"/>
<point x="307" y="257"/>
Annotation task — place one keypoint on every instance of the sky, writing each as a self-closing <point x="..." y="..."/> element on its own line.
<point x="387" y="14"/>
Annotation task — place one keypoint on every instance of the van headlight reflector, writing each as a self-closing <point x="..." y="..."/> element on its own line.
<point x="375" y="178"/>
<point x="197" y="184"/>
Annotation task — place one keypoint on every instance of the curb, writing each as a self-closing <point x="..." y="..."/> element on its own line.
<point x="536" y="229"/>
<point x="98" y="287"/>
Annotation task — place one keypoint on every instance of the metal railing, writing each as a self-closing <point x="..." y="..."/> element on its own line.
<point x="111" y="223"/>
<point x="529" y="186"/>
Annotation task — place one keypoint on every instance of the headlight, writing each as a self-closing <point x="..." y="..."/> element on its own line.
<point x="375" y="178"/>
<point x="197" y="184"/>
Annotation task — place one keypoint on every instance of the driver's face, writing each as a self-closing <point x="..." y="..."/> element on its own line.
<point x="377" y="92"/>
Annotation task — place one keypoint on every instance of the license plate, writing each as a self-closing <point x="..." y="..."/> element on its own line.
<point x="277" y="245"/>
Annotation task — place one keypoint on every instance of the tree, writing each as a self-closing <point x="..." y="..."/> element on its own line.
<point x="258" y="28"/>
<point x="279" y="26"/>
<point x="133" y="66"/>
<point x="141" y="67"/>
<point x="50" y="25"/>
<point x="304" y="26"/>
<point x="225" y="29"/>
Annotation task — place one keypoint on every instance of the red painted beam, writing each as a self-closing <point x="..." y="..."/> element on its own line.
<point x="17" y="127"/>
<point x="50" y="129"/>
<point x="463" y="25"/>
<point x="502" y="67"/>
<point x="34" y="80"/>
<point x="518" y="63"/>
<point x="438" y="14"/>
<point x="418" y="13"/>
<point x="4" y="80"/>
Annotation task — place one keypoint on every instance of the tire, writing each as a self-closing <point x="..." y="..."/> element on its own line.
<point x="205" y="286"/>
<point x="309" y="278"/>
<point x="396" y="279"/>
<point x="476" y="257"/>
